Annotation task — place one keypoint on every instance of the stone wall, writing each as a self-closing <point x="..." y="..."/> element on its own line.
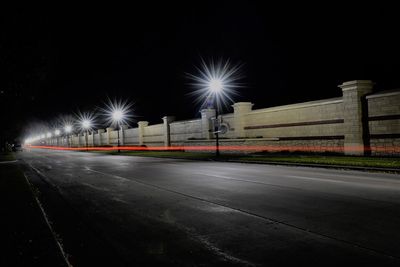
<point x="311" y="119"/>
<point x="358" y="123"/>
<point x="384" y="122"/>
<point x="132" y="136"/>
<point x="182" y="131"/>
<point x="153" y="135"/>
<point x="252" y="145"/>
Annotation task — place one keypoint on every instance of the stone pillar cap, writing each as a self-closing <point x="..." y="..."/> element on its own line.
<point x="242" y="104"/>
<point x="356" y="84"/>
<point x="145" y="123"/>
<point x="207" y="109"/>
<point x="169" y="118"/>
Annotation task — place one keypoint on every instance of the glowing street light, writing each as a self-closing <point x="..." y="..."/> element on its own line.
<point x="48" y="135"/>
<point x="215" y="83"/>
<point x="86" y="122"/>
<point x="118" y="116"/>
<point x="216" y="86"/>
<point x="57" y="133"/>
<point x="68" y="130"/>
<point x="117" y="113"/>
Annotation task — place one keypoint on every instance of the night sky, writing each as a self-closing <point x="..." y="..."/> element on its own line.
<point x="58" y="60"/>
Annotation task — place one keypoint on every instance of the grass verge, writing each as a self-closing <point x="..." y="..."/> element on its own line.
<point x="372" y="162"/>
<point x="334" y="160"/>
<point x="6" y="156"/>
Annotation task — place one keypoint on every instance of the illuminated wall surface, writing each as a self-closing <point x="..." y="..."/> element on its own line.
<point x="359" y="123"/>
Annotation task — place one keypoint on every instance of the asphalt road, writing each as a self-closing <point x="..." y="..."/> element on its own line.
<point x="125" y="210"/>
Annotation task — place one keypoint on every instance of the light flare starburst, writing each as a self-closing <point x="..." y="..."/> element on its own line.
<point x="68" y="128"/>
<point x="66" y="123"/>
<point x="215" y="82"/>
<point x="86" y="121"/>
<point x="117" y="112"/>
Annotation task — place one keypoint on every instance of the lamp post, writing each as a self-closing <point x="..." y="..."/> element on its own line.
<point x="57" y="133"/>
<point x="68" y="130"/>
<point x="118" y="116"/>
<point x="216" y="81"/>
<point x="215" y="87"/>
<point x="117" y="113"/>
<point x="48" y="140"/>
<point x="86" y="124"/>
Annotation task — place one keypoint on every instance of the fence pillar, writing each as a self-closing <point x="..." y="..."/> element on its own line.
<point x="122" y="129"/>
<point x="240" y="110"/>
<point x="206" y="123"/>
<point x="92" y="134"/>
<point x="99" y="132"/>
<point x="109" y="130"/>
<point x="355" y="115"/>
<point x="166" y="130"/>
<point x="141" y="125"/>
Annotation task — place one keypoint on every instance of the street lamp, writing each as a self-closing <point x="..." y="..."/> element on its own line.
<point x="57" y="133"/>
<point x="117" y="113"/>
<point x="215" y="82"/>
<point x="215" y="85"/>
<point x="86" y="125"/>
<point x="48" y="141"/>
<point x="118" y="116"/>
<point x="68" y="130"/>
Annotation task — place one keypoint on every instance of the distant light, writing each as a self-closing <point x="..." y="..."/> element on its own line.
<point x="86" y="124"/>
<point x="43" y="136"/>
<point x="48" y="135"/>
<point x="57" y="132"/>
<point x="68" y="128"/>
<point x="86" y="121"/>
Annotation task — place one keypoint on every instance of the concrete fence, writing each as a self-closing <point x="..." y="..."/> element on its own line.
<point x="358" y="123"/>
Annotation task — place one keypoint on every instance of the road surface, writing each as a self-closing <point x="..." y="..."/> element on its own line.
<point x="126" y="210"/>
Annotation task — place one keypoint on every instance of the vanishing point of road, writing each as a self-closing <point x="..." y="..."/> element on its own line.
<point x="126" y="210"/>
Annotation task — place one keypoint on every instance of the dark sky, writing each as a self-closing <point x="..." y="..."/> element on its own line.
<point x="58" y="60"/>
